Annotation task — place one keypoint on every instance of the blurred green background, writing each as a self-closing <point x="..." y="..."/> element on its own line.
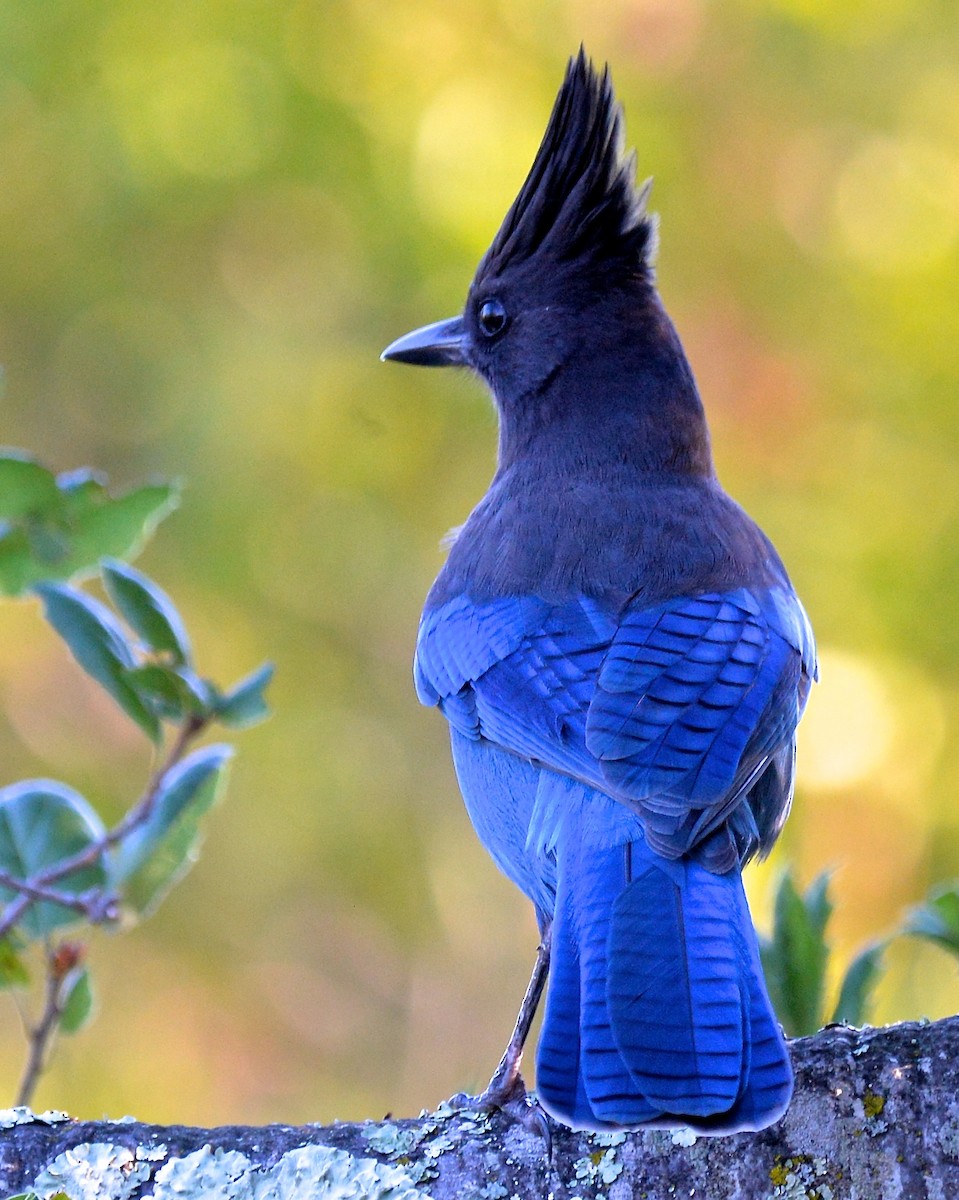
<point x="212" y="218"/>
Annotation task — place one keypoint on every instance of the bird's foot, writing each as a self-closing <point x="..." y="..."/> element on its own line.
<point x="506" y="1092"/>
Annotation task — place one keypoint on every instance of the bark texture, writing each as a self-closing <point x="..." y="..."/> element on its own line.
<point x="875" y="1115"/>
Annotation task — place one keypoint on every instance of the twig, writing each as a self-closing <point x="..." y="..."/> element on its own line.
<point x="37" y="886"/>
<point x="34" y="891"/>
<point x="13" y="912"/>
<point x="190" y="729"/>
<point x="60" y="961"/>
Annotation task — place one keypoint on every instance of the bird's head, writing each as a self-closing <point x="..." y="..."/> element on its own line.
<point x="565" y="295"/>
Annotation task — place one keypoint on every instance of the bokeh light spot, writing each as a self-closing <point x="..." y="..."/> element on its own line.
<point x="473" y="152"/>
<point x="897" y="204"/>
<point x="804" y="184"/>
<point x="848" y="727"/>
<point x="212" y="110"/>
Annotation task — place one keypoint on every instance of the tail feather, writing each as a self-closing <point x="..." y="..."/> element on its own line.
<point x="769" y="1084"/>
<point x="657" y="1011"/>
<point x="675" y="991"/>
<point x="612" y="1092"/>
<point x="581" y="1076"/>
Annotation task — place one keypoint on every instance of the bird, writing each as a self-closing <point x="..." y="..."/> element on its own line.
<point x="620" y="656"/>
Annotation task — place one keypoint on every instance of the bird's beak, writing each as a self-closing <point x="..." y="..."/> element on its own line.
<point x="440" y="345"/>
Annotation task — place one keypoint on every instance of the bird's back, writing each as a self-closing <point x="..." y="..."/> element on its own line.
<point x="616" y="533"/>
<point x="554" y="583"/>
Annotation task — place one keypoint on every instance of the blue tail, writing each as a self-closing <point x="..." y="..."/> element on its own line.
<point x="657" y="1012"/>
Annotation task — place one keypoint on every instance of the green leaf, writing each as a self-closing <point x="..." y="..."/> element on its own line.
<point x="855" y="993"/>
<point x="147" y="610"/>
<point x="83" y="489"/>
<point x="937" y="920"/>
<point x="173" y="692"/>
<point x="200" y="690"/>
<point x="76" y="1000"/>
<point x="794" y="957"/>
<point x="155" y="855"/>
<point x="48" y="546"/>
<point x="159" y="688"/>
<point x="56" y="528"/>
<point x="119" y="527"/>
<point x="97" y="641"/>
<point x="13" y="970"/>
<point x="19" y="567"/>
<point x="25" y="486"/>
<point x="43" y="822"/>
<point x="817" y="904"/>
<point x="244" y="704"/>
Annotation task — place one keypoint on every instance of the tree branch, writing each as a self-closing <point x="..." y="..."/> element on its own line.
<point x="875" y="1114"/>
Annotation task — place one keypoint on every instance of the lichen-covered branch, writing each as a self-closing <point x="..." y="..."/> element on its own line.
<point x="875" y="1115"/>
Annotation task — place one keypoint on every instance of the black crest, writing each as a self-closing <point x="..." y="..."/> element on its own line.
<point x="580" y="200"/>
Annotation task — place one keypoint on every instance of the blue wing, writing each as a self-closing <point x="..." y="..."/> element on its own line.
<point x="679" y="710"/>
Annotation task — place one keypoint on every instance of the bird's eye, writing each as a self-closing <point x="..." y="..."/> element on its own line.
<point x="492" y="318"/>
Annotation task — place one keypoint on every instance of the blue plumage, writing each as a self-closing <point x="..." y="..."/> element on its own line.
<point x="620" y="655"/>
<point x="626" y="823"/>
<point x="666" y="708"/>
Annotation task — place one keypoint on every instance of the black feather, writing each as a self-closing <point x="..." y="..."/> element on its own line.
<point x="580" y="201"/>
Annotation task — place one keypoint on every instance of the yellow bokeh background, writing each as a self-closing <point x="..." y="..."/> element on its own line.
<point x="213" y="215"/>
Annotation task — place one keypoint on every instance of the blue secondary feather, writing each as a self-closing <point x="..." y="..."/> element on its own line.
<point x="666" y="708"/>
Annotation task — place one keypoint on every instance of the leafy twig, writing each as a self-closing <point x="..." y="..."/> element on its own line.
<point x="59" y="864"/>
<point x="37" y="887"/>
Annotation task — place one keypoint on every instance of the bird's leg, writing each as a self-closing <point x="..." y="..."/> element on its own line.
<point x="507" y="1081"/>
<point x="506" y="1089"/>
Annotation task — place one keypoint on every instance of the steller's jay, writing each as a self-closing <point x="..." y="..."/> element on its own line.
<point x="620" y="656"/>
